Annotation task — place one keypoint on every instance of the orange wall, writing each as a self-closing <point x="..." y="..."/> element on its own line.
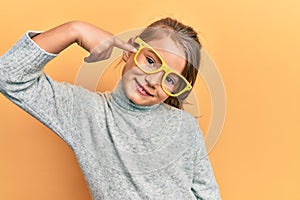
<point x="255" y="45"/>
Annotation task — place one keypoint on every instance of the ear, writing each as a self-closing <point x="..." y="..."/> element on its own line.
<point x="127" y="54"/>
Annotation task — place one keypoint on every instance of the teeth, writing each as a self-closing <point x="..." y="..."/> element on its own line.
<point x="141" y="88"/>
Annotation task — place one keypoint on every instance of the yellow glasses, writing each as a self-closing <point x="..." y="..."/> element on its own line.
<point x="150" y="62"/>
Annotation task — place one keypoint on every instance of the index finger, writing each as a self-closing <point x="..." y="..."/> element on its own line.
<point x="124" y="45"/>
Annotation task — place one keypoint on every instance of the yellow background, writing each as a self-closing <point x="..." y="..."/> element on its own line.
<point x="255" y="45"/>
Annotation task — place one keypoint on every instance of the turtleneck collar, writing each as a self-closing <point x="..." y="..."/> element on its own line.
<point x="120" y="98"/>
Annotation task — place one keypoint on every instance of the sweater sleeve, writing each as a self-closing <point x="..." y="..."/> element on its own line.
<point x="24" y="83"/>
<point x="204" y="185"/>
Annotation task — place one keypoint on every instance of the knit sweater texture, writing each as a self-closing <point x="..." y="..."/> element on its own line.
<point x="125" y="151"/>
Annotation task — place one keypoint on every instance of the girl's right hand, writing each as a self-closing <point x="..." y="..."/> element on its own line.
<point x="98" y="42"/>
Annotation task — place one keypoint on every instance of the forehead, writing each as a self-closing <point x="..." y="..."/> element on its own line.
<point x="171" y="53"/>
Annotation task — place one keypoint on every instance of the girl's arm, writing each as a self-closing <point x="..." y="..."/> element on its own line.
<point x="93" y="39"/>
<point x="204" y="183"/>
<point x="23" y="81"/>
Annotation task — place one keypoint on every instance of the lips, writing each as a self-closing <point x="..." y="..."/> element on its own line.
<point x="141" y="89"/>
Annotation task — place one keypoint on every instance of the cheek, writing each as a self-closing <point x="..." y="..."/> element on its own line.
<point x="162" y="95"/>
<point x="129" y="64"/>
<point x="126" y="68"/>
<point x="130" y="69"/>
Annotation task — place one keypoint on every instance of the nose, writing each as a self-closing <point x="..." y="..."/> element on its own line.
<point x="154" y="80"/>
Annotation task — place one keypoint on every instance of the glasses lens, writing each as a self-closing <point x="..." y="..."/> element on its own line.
<point x="148" y="60"/>
<point x="174" y="83"/>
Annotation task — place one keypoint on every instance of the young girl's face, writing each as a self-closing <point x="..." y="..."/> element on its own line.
<point x="145" y="89"/>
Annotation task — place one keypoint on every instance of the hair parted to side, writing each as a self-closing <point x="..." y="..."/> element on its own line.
<point x="187" y="38"/>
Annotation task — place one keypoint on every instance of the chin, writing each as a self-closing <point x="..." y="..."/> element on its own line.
<point x="138" y="101"/>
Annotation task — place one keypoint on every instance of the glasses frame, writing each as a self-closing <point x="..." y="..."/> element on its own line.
<point x="164" y="67"/>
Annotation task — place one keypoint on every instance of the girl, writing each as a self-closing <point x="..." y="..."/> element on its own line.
<point x="135" y="142"/>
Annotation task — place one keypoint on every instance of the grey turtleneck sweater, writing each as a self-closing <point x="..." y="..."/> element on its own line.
<point x="125" y="151"/>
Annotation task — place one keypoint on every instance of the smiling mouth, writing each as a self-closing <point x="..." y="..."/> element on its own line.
<point x="142" y="90"/>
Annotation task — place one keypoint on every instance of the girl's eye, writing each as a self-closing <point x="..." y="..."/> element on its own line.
<point x="150" y="61"/>
<point x="170" y="80"/>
